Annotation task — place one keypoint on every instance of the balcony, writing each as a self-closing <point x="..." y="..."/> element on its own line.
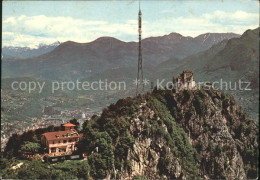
<point x="62" y="144"/>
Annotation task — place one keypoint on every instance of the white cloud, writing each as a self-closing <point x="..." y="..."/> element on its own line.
<point x="217" y="21"/>
<point x="33" y="30"/>
<point x="30" y="31"/>
<point x="238" y="17"/>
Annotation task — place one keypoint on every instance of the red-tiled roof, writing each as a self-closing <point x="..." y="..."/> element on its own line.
<point x="68" y="125"/>
<point x="72" y="133"/>
<point x="187" y="71"/>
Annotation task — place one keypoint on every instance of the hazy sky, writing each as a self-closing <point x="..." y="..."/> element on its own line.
<point x="29" y="23"/>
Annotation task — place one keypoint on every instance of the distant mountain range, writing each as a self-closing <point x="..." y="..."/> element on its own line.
<point x="230" y="60"/>
<point x="210" y="56"/>
<point x="26" y="52"/>
<point x="237" y="56"/>
<point x="71" y="60"/>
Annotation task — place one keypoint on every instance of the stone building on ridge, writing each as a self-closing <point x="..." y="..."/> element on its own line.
<point x="186" y="80"/>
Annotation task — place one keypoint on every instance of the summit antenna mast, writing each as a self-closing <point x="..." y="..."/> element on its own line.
<point x="140" y="59"/>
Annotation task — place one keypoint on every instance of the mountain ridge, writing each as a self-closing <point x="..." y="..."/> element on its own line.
<point x="27" y="52"/>
<point x="165" y="134"/>
<point x="111" y="52"/>
<point x="230" y="60"/>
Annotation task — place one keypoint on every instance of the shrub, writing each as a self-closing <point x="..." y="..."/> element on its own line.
<point x="219" y="149"/>
<point x="199" y="105"/>
<point x="30" y="147"/>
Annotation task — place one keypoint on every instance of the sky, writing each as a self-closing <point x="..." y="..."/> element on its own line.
<point x="30" y="23"/>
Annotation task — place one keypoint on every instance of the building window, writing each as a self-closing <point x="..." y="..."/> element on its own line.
<point x="59" y="141"/>
<point x="64" y="141"/>
<point x="53" y="142"/>
<point x="53" y="150"/>
<point x="62" y="149"/>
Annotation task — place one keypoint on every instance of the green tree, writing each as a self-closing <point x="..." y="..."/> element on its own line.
<point x="83" y="170"/>
<point x="34" y="170"/>
<point x="75" y="122"/>
<point x="30" y="147"/>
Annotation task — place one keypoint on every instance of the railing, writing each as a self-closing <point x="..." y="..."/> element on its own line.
<point x="62" y="144"/>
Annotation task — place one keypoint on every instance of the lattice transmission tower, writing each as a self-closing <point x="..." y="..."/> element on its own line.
<point x="140" y="58"/>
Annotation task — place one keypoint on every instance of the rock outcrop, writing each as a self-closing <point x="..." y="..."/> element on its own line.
<point x="199" y="134"/>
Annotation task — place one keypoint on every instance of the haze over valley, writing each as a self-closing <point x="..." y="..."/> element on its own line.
<point x="210" y="56"/>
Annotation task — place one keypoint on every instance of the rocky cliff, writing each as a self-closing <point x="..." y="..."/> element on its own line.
<point x="200" y="134"/>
